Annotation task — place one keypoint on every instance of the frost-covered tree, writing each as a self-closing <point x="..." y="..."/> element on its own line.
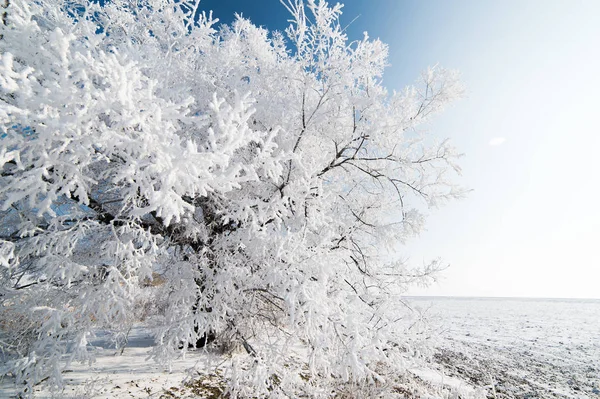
<point x="262" y="181"/>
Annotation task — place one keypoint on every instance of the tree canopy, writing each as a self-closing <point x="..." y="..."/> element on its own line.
<point x="248" y="184"/>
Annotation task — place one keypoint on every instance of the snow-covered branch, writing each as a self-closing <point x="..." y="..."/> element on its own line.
<point x="258" y="186"/>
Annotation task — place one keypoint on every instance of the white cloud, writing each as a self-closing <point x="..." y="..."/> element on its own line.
<point x="497" y="141"/>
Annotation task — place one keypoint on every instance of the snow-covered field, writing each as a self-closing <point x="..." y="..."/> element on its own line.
<point x="130" y="374"/>
<point x="514" y="348"/>
<point x="519" y="348"/>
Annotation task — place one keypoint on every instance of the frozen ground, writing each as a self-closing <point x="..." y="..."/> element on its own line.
<point x="130" y="374"/>
<point x="523" y="349"/>
<point x="519" y="348"/>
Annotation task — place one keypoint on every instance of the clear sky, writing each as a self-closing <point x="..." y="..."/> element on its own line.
<point x="529" y="129"/>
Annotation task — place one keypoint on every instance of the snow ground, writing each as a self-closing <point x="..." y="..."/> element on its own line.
<point x="519" y="348"/>
<point x="522" y="349"/>
<point x="131" y="374"/>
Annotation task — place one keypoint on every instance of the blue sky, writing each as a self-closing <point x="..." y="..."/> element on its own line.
<point x="528" y="128"/>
